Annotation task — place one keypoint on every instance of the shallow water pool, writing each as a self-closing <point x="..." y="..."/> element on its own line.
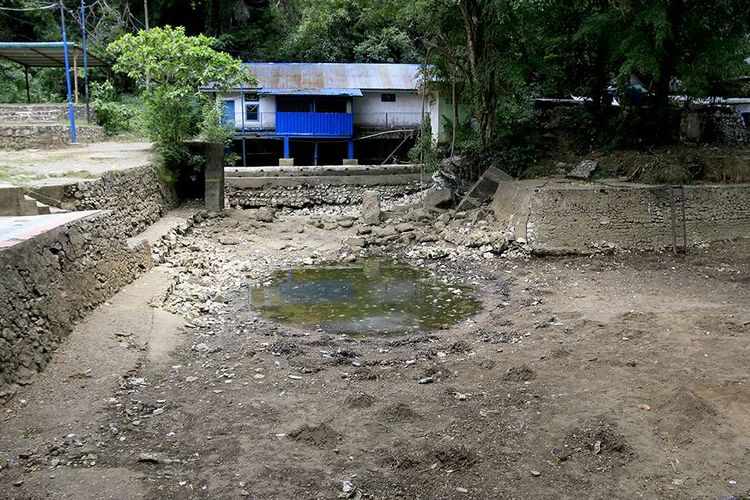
<point x="370" y="296"/>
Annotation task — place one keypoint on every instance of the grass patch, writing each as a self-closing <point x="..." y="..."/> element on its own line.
<point x="22" y="177"/>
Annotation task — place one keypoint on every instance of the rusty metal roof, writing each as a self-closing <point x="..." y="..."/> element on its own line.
<point x="320" y="76"/>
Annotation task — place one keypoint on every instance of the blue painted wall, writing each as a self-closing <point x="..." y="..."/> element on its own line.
<point x="315" y="124"/>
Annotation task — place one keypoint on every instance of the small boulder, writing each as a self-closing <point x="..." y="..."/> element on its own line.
<point x="265" y="214"/>
<point x="583" y="170"/>
<point x="437" y="198"/>
<point x="355" y="242"/>
<point x="371" y="207"/>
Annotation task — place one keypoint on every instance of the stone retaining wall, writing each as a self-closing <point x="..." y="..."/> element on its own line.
<point x="47" y="135"/>
<point x="567" y="218"/>
<point x="51" y="281"/>
<point x="137" y="197"/>
<point x="40" y="112"/>
<point x="304" y="195"/>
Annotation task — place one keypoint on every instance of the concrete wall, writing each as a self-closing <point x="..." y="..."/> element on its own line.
<point x="562" y="217"/>
<point x="51" y="281"/>
<point x="137" y="197"/>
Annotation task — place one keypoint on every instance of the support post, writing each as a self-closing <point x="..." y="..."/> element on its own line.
<point x="85" y="64"/>
<point x="286" y="146"/>
<point x="351" y="149"/>
<point x="71" y="112"/>
<point x="244" y="153"/>
<point x="75" y="76"/>
<point x="315" y="155"/>
<point x="214" y="177"/>
<point x="28" y="92"/>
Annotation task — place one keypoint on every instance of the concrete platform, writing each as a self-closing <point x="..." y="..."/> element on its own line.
<point x="16" y="229"/>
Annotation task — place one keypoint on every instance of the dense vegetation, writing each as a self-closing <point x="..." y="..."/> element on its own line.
<point x="495" y="55"/>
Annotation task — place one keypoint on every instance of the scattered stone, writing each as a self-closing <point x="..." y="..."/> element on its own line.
<point x="583" y="170"/>
<point x="229" y="239"/>
<point x="536" y="473"/>
<point x="355" y="242"/>
<point x="644" y="407"/>
<point x="426" y="380"/>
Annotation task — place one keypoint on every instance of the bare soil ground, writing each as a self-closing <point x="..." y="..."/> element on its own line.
<point x="613" y="376"/>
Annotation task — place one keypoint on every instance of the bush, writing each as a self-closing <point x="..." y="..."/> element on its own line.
<point x="111" y="114"/>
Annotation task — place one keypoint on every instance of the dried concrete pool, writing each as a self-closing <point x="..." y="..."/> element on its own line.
<point x="370" y="296"/>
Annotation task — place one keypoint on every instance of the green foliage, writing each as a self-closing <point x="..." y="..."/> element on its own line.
<point x="110" y="113"/>
<point x="44" y="84"/>
<point x="171" y="66"/>
<point x="168" y="57"/>
<point x="425" y="152"/>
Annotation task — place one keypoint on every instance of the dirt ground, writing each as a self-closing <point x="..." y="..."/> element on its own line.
<point x="611" y="376"/>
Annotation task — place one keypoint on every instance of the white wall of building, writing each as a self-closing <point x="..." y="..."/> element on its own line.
<point x="266" y="115"/>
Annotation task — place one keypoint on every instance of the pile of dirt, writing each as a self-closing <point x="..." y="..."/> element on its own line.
<point x="322" y="436"/>
<point x="598" y="442"/>
<point x="681" y="412"/>
<point x="399" y="412"/>
<point x="519" y="374"/>
<point x="359" y="400"/>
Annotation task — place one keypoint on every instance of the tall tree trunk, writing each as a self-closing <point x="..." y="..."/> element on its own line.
<point x="667" y="63"/>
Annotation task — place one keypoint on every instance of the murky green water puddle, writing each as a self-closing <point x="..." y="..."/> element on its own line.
<point x="371" y="296"/>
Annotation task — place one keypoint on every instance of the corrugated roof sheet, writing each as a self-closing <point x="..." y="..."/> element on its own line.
<point x="326" y="91"/>
<point x="45" y="54"/>
<point x="317" y="76"/>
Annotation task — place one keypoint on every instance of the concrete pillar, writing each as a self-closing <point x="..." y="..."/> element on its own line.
<point x="214" y="177"/>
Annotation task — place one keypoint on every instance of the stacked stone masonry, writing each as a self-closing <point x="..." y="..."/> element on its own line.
<point x="561" y="218"/>
<point x="303" y="195"/>
<point x="137" y="197"/>
<point x="40" y="112"/>
<point x="51" y="281"/>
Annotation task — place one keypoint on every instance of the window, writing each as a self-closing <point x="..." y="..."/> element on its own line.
<point x="252" y="107"/>
<point x="293" y="104"/>
<point x="251" y="112"/>
<point x="387" y="97"/>
<point x="330" y="105"/>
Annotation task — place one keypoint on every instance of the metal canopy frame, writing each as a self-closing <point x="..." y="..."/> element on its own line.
<point x="55" y="55"/>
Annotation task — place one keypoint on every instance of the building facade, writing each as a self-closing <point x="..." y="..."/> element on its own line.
<point x="330" y="113"/>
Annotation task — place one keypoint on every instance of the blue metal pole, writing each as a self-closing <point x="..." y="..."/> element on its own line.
<point x="85" y="62"/>
<point x="286" y="146"/>
<point x="71" y="112"/>
<point x="351" y="149"/>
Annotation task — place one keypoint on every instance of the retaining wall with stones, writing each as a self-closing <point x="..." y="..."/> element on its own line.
<point x="41" y="112"/>
<point x="137" y="197"/>
<point x="557" y="217"/>
<point x="303" y="195"/>
<point x="51" y="281"/>
<point x="47" y="135"/>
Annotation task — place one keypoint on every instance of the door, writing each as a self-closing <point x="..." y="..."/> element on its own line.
<point x="228" y="112"/>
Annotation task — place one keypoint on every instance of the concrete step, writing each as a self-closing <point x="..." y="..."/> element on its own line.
<point x="41" y="208"/>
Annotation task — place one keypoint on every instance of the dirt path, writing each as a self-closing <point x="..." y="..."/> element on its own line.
<point x="619" y="376"/>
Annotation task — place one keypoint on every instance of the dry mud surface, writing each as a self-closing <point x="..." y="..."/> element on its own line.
<point x="612" y="376"/>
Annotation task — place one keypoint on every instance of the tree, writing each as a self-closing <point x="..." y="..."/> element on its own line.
<point x="175" y="65"/>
